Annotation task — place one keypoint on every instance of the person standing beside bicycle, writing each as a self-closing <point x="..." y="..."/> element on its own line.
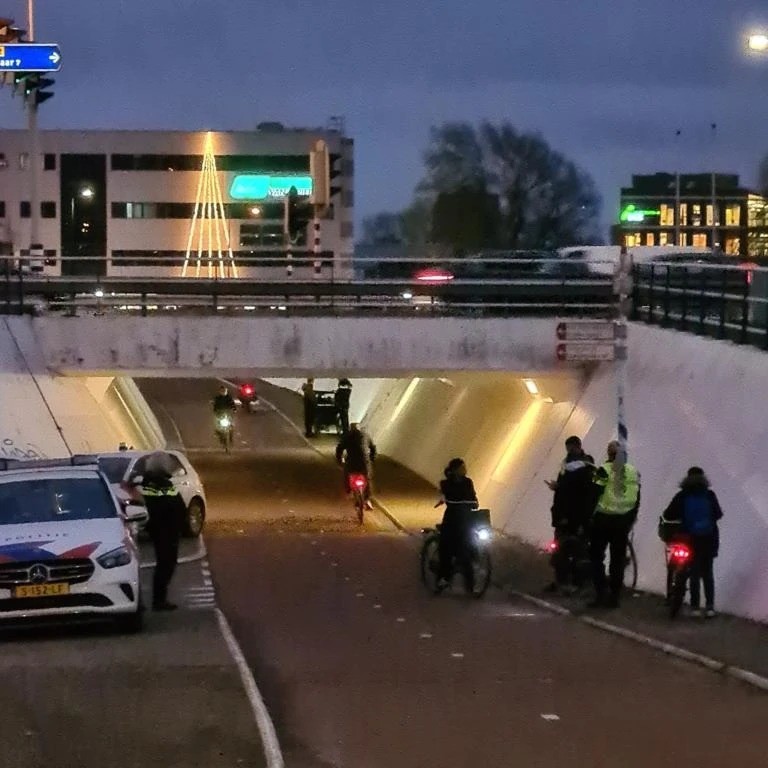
<point x="572" y="506"/>
<point x="694" y="512"/>
<point x="615" y="514"/>
<point x="457" y="492"/>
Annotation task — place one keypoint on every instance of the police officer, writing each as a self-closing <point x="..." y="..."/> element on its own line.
<point x="166" y="517"/>
<point x="614" y="517"/>
<point x="341" y="401"/>
<point x="310" y="406"/>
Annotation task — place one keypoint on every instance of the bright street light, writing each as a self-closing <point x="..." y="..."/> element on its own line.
<point x="87" y="193"/>
<point x="255" y="210"/>
<point x="758" y="42"/>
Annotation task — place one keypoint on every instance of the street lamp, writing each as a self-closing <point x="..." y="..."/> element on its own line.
<point x="255" y="210"/>
<point x="87" y="193"/>
<point x="758" y="42"/>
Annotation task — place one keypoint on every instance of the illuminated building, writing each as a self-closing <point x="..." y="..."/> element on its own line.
<point x="682" y="211"/>
<point x="139" y="202"/>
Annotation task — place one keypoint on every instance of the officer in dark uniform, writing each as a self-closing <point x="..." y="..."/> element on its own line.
<point x="341" y="400"/>
<point x="166" y="511"/>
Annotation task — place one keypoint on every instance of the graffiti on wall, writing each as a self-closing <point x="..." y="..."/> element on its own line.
<point x="10" y="449"/>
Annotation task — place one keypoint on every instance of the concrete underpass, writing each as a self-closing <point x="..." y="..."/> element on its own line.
<point x="357" y="664"/>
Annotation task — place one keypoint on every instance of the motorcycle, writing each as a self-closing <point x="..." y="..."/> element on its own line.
<point x="473" y="560"/>
<point x="248" y="397"/>
<point x="358" y="485"/>
<point x="225" y="431"/>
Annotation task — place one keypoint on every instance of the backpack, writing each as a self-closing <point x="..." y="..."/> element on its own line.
<point x="697" y="514"/>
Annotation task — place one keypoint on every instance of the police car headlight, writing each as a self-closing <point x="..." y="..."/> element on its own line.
<point x="115" y="558"/>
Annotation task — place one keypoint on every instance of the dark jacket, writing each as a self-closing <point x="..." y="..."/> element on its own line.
<point x="676" y="509"/>
<point x="575" y="494"/>
<point x="456" y="490"/>
<point x="341" y="397"/>
<point x="224" y="403"/>
<point x="165" y="507"/>
<point x="359" y="450"/>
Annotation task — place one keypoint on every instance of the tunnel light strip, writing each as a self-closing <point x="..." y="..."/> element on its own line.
<point x="406" y="396"/>
<point x="519" y="440"/>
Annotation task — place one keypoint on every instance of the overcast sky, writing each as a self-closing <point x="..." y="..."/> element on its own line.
<point x="608" y="82"/>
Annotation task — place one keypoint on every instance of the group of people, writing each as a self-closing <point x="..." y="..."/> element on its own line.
<point x="594" y="509"/>
<point x="341" y="398"/>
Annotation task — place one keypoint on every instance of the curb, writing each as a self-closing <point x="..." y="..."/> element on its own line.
<point x="713" y="665"/>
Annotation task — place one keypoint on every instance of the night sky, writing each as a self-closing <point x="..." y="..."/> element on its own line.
<point x="608" y="82"/>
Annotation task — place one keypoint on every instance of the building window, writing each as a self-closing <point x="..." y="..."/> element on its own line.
<point x="3" y="161"/>
<point x="667" y="215"/>
<point x="683" y="240"/>
<point x="696" y="215"/>
<point x="650" y="239"/>
<point x="25" y="209"/>
<point x="24" y="161"/>
<point x="2" y="209"/>
<point x="49" y="162"/>
<point x="48" y="209"/>
<point x="733" y="246"/>
<point x="663" y="238"/>
<point x="684" y="214"/>
<point x="733" y="216"/>
<point x="347" y="229"/>
<point x="347" y="198"/>
<point x="699" y="240"/>
<point x="231" y="163"/>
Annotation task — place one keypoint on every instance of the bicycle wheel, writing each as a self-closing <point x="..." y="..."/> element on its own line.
<point x="359" y="506"/>
<point x="630" y="566"/>
<point x="679" y="579"/>
<point x="481" y="573"/>
<point x="430" y="562"/>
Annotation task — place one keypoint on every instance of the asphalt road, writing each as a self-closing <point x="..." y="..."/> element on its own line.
<point x="361" y="668"/>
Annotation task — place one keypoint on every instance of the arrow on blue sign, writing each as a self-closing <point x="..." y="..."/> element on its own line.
<point x="30" y="57"/>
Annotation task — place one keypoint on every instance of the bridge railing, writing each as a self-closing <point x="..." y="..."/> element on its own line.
<point x="518" y="285"/>
<point x="718" y="300"/>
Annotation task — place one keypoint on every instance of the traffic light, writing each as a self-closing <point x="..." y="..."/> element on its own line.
<point x="334" y="171"/>
<point x="33" y="85"/>
<point x="298" y="213"/>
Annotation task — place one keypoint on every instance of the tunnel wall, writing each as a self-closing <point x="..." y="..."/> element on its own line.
<point x="41" y="414"/>
<point x="690" y="401"/>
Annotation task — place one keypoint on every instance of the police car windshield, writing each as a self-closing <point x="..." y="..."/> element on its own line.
<point x="54" y="500"/>
<point x="114" y="467"/>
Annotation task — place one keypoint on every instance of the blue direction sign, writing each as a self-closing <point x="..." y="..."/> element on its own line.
<point x="30" y="57"/>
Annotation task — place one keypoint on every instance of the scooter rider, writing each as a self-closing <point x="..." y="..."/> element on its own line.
<point x="457" y="492"/>
<point x="357" y="452"/>
<point x="223" y="403"/>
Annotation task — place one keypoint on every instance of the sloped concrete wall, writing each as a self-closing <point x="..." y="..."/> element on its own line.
<point x="44" y="415"/>
<point x="690" y="401"/>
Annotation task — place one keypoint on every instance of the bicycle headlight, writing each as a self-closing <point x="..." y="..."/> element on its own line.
<point x="115" y="557"/>
<point x="483" y="534"/>
<point x="224" y="422"/>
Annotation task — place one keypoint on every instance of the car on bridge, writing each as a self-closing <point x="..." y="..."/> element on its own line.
<point x="120" y="467"/>
<point x="65" y="549"/>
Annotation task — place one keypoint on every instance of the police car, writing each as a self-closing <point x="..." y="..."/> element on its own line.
<point x="65" y="547"/>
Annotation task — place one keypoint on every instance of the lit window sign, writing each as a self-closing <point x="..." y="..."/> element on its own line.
<point x="633" y="214"/>
<point x="262" y="186"/>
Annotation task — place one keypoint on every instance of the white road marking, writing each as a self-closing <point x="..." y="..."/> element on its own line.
<point x="334" y="564"/>
<point x="346" y="578"/>
<point x="549" y="717"/>
<point x="400" y="620"/>
<point x="322" y="553"/>
<point x="200" y="554"/>
<point x="457" y="655"/>
<point x="425" y="636"/>
<point x="377" y="606"/>
<point x="360" y="594"/>
<point x="206" y="590"/>
<point x="264" y="722"/>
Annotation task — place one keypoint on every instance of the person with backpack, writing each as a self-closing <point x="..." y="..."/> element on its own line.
<point x="696" y="509"/>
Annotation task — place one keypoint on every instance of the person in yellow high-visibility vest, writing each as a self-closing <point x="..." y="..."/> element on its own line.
<point x="615" y="514"/>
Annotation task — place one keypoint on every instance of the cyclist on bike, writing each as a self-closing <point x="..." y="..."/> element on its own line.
<point x="457" y="492"/>
<point x="357" y="452"/>
<point x="223" y="403"/>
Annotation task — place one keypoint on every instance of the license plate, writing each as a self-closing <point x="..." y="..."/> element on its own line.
<point x="41" y="590"/>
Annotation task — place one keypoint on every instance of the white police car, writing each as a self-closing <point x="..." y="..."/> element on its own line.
<point x="65" y="548"/>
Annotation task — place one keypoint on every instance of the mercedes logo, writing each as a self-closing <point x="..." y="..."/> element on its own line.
<point x="38" y="574"/>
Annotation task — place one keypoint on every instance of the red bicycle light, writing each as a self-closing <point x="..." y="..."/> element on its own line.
<point x="680" y="553"/>
<point x="552" y="546"/>
<point x="247" y="389"/>
<point x="433" y="275"/>
<point x="358" y="481"/>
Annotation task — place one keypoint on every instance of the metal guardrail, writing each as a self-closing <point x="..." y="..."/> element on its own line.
<point x="717" y="300"/>
<point x="496" y="287"/>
